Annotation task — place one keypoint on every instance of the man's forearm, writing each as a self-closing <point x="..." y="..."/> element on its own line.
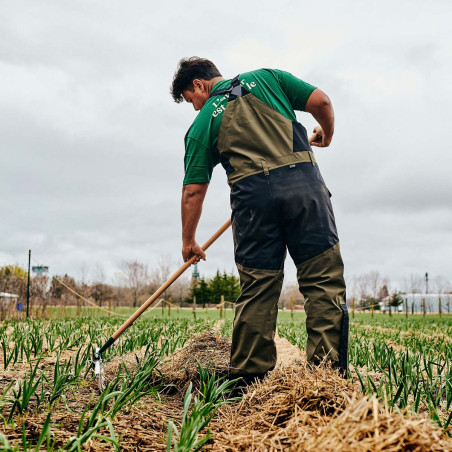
<point x="191" y="207"/>
<point x="319" y="105"/>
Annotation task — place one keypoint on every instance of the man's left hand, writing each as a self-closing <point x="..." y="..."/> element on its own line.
<point x="320" y="139"/>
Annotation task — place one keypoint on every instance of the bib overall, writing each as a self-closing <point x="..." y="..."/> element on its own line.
<point x="279" y="203"/>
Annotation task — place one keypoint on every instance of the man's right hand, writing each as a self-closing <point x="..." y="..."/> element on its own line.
<point x="191" y="207"/>
<point x="193" y="249"/>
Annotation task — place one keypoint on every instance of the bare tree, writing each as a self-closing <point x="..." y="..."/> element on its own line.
<point x="135" y="276"/>
<point x="13" y="279"/>
<point x="362" y="283"/>
<point x="416" y="282"/>
<point x="100" y="291"/>
<point x="375" y="283"/>
<point x="60" y="293"/>
<point x="440" y="284"/>
<point x="181" y="288"/>
<point x="353" y="288"/>
<point x="160" y="274"/>
<point x="40" y="291"/>
<point x="99" y="275"/>
<point x="83" y="286"/>
<point x="350" y="286"/>
<point x="84" y="272"/>
<point x="384" y="291"/>
<point x="291" y="290"/>
<point x="448" y="295"/>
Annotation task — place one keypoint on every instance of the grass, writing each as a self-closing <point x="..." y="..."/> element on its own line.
<point x="212" y="313"/>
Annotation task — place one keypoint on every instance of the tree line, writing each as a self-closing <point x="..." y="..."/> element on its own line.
<point x="132" y="285"/>
<point x="211" y="290"/>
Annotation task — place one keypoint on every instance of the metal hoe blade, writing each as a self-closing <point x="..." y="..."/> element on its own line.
<point x="99" y="370"/>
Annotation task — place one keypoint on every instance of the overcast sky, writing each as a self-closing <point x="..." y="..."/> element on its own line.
<point x="92" y="144"/>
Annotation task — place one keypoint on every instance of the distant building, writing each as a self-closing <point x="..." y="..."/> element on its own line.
<point x="9" y="296"/>
<point x="415" y="303"/>
<point x="384" y="305"/>
<point x="194" y="277"/>
<point x="40" y="270"/>
<point x="195" y="274"/>
<point x="7" y="299"/>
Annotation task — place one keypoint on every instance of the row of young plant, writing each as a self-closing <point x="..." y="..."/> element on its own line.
<point x="430" y="325"/>
<point x="22" y="342"/>
<point x="438" y="348"/>
<point x="198" y="412"/>
<point x="403" y="370"/>
<point x="40" y="390"/>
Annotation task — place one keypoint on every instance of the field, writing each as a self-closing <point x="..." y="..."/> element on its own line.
<point x="166" y="389"/>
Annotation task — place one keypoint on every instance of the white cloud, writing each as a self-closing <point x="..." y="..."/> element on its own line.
<point x="92" y="145"/>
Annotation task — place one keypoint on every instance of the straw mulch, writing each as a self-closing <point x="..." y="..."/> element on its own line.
<point x="208" y="348"/>
<point x="365" y="426"/>
<point x="296" y="408"/>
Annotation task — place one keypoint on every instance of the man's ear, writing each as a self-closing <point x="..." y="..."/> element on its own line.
<point x="198" y="83"/>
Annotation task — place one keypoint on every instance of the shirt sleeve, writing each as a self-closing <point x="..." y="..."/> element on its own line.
<point x="198" y="162"/>
<point x="296" y="90"/>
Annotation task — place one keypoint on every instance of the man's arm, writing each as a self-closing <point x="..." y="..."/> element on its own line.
<point x="191" y="207"/>
<point x="319" y="105"/>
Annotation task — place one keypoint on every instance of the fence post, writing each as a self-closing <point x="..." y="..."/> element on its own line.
<point x="439" y="306"/>
<point x="406" y="307"/>
<point x="28" y="284"/>
<point x="424" y="308"/>
<point x="194" y="307"/>
<point x="372" y="306"/>
<point x="169" y="307"/>
<point x="353" y="307"/>
<point x="221" y="306"/>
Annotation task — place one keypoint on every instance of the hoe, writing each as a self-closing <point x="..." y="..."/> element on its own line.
<point x="97" y="360"/>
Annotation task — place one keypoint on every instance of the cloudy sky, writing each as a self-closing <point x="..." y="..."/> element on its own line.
<point x="92" y="145"/>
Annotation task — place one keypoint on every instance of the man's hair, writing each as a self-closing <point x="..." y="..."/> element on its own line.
<point x="188" y="70"/>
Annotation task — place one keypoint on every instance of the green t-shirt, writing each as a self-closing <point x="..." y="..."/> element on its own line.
<point x="278" y="89"/>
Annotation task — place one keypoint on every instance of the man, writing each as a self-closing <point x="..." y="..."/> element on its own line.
<point x="279" y="202"/>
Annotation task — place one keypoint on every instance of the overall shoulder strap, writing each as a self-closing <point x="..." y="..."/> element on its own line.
<point x="235" y="89"/>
